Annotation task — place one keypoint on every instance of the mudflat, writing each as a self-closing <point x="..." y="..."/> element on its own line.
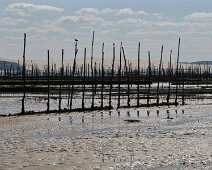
<point x="164" y="138"/>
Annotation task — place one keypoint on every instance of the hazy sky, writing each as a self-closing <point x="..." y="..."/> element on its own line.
<point x="54" y="25"/>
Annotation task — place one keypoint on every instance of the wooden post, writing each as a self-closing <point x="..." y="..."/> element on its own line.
<point x="149" y="80"/>
<point x="169" y="77"/>
<point x="89" y="70"/>
<point x="5" y="70"/>
<point x="48" y="85"/>
<point x="92" y="72"/>
<point x="111" y="79"/>
<point x="138" y="74"/>
<point x="119" y="77"/>
<point x="183" y="92"/>
<point x="23" y="76"/>
<point x="159" y="74"/>
<point x="73" y="74"/>
<point x="178" y="55"/>
<point x="83" y="93"/>
<point x="95" y="77"/>
<point x="102" y="89"/>
<point x="127" y="74"/>
<point x="32" y="72"/>
<point x="61" y="79"/>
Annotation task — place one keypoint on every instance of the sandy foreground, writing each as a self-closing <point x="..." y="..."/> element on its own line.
<point x="105" y="140"/>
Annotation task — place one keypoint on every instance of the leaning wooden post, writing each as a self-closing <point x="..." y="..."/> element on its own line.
<point x="127" y="74"/>
<point x="159" y="74"/>
<point x="92" y="72"/>
<point x="23" y="76"/>
<point x="138" y="74"/>
<point x="48" y="85"/>
<point x="149" y="80"/>
<point x="83" y="93"/>
<point x="102" y="89"/>
<point x="178" y="55"/>
<point x="119" y="77"/>
<point x="111" y="79"/>
<point x="169" y="77"/>
<point x="61" y="79"/>
<point x="73" y="74"/>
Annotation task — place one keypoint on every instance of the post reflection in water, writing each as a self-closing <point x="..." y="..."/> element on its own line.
<point x="128" y="114"/>
<point x="158" y="113"/>
<point x="148" y="112"/>
<point x="138" y="114"/>
<point x="118" y="114"/>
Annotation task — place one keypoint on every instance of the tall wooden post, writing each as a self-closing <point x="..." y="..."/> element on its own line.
<point x="159" y="75"/>
<point x="102" y="89"/>
<point x="138" y="74"/>
<point x="92" y="72"/>
<point x="169" y="77"/>
<point x="178" y="55"/>
<point x="111" y="79"/>
<point x="127" y="74"/>
<point x="83" y="93"/>
<point x="149" y="80"/>
<point x="48" y="84"/>
<point x="119" y="77"/>
<point x="23" y="76"/>
<point x="61" y="79"/>
<point x="73" y="74"/>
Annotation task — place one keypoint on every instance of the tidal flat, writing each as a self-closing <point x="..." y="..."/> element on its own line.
<point x="136" y="138"/>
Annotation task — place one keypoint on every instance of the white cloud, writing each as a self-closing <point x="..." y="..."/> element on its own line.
<point x="142" y="13"/>
<point x="129" y="11"/>
<point x="127" y="21"/>
<point x="170" y="24"/>
<point x="108" y="11"/>
<point x="94" y="11"/>
<point x="85" y="11"/>
<point x="125" y="11"/>
<point x="198" y="15"/>
<point x="11" y="21"/>
<point x="81" y="19"/>
<point x="26" y="9"/>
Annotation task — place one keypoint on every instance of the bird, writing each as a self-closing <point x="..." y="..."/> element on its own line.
<point x="76" y="39"/>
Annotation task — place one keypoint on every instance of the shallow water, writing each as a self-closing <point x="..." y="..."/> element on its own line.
<point x="10" y="103"/>
<point x="104" y="140"/>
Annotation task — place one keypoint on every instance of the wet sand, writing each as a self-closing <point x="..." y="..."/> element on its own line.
<point x="164" y="138"/>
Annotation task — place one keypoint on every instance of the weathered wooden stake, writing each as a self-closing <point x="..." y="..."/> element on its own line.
<point x="92" y="72"/>
<point x="119" y="77"/>
<point x="61" y="79"/>
<point x="170" y="77"/>
<point x="138" y="74"/>
<point x="23" y="76"/>
<point x="159" y="75"/>
<point x="127" y="74"/>
<point x="183" y="92"/>
<point x="83" y="93"/>
<point x="102" y="89"/>
<point x="149" y="80"/>
<point x="111" y="79"/>
<point x="73" y="74"/>
<point x="178" y="55"/>
<point x="48" y="84"/>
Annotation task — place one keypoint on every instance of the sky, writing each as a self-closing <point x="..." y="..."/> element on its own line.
<point x="55" y="25"/>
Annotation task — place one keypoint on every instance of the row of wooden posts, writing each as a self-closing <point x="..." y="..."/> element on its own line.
<point x="122" y="69"/>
